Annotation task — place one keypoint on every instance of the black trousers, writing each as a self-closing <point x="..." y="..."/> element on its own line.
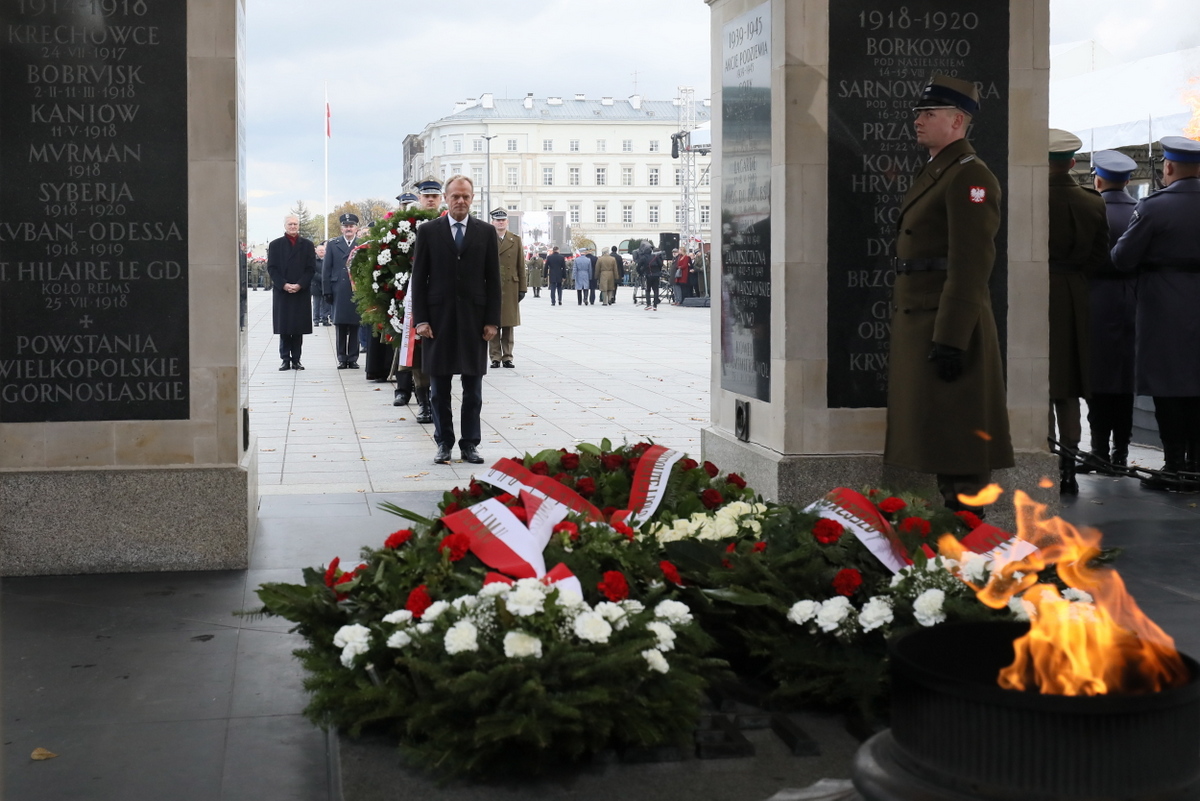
<point x="1179" y="428"/>
<point x="555" y="291"/>
<point x="443" y="414"/>
<point x="583" y="296"/>
<point x="652" y="287"/>
<point x="1110" y="415"/>
<point x="346" y="340"/>
<point x="290" y="346"/>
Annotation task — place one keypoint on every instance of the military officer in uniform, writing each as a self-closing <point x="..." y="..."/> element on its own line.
<point x="946" y="395"/>
<point x="535" y="273"/>
<point x="412" y="380"/>
<point x="513" y="286"/>
<point x="406" y="200"/>
<point x="1162" y="245"/>
<point x="1078" y="248"/>
<point x="339" y="294"/>
<point x="1112" y="296"/>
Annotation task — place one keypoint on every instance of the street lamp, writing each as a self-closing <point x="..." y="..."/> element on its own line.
<point x="487" y="176"/>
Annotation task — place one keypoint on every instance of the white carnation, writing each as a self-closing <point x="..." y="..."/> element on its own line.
<point x="928" y="607"/>
<point x="518" y="644"/>
<point x="665" y="634"/>
<point x="462" y="636"/>
<point x="494" y="589"/>
<point x="403" y="225"/>
<point x="613" y="613"/>
<point x="656" y="660"/>
<point x="875" y="613"/>
<point x="724" y="527"/>
<point x="1021" y="609"/>
<point x="388" y="237"/>
<point x="353" y="633"/>
<point x="633" y="607"/>
<point x="399" y="616"/>
<point x="405" y="245"/>
<point x="802" y="612"/>
<point x="434" y="611"/>
<point x="526" y="600"/>
<point x="674" y="612"/>
<point x="833" y="612"/>
<point x="463" y="602"/>
<point x="592" y="627"/>
<point x="399" y="639"/>
<point x="385" y="256"/>
<point x="975" y="567"/>
<point x="424" y="628"/>
<point x="1078" y="596"/>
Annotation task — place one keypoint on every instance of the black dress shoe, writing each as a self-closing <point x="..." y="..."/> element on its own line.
<point x="443" y="455"/>
<point x="469" y="454"/>
<point x="342" y="365"/>
<point x="297" y="366"/>
<point x="401" y="398"/>
<point x="509" y="363"/>
<point x="353" y="365"/>
<point x="285" y="366"/>
<point x="495" y="363"/>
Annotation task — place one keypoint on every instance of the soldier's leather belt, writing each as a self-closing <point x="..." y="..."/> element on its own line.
<point x="1065" y="267"/>
<point x="919" y="265"/>
<point x="1172" y="266"/>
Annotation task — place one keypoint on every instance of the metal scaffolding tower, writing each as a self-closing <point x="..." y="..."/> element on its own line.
<point x="687" y="181"/>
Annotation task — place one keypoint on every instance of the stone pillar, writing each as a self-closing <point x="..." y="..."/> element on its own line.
<point x="123" y="384"/>
<point x="813" y="149"/>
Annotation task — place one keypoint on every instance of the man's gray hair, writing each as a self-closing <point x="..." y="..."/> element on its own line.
<point x="459" y="177"/>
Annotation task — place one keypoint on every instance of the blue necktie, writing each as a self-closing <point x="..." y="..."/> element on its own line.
<point x="458" y="236"/>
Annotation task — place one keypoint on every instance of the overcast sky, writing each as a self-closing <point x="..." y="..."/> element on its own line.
<point x="393" y="66"/>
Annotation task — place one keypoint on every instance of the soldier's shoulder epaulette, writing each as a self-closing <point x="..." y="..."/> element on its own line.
<point x="967" y="158"/>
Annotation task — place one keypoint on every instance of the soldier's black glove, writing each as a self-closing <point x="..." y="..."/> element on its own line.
<point x="948" y="359"/>
<point x="329" y="299"/>
<point x="520" y="297"/>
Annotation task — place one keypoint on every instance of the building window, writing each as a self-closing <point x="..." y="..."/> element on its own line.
<point x="627" y="213"/>
<point x="654" y="181"/>
<point x="457" y="145"/>
<point x="477" y="175"/>
<point x="477" y="146"/>
<point x="574" y="146"/>
<point x="678" y="176"/>
<point x="456" y="169"/>
<point x="707" y="179"/>
<point x="654" y="214"/>
<point x="602" y="214"/>
<point x="705" y="215"/>
<point x="512" y="207"/>
<point x="547" y="207"/>
<point x="653" y="145"/>
<point x="601" y="145"/>
<point x="547" y="176"/>
<point x="627" y="176"/>
<point x="547" y="145"/>
<point x="601" y="176"/>
<point x="679" y="215"/>
<point x="573" y="212"/>
<point x="513" y="173"/>
<point x="626" y="145"/>
<point x="573" y="176"/>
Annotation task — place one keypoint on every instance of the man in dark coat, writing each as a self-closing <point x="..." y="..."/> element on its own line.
<point x="320" y="307"/>
<point x="1162" y="244"/>
<point x="456" y="305"/>
<point x="1078" y="247"/>
<point x="291" y="262"/>
<point x="556" y="272"/>
<point x="1112" y="296"/>
<point x="947" y="410"/>
<point x="340" y="294"/>
<point x="513" y="286"/>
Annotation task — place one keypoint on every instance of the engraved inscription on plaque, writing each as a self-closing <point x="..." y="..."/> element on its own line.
<point x="746" y="204"/>
<point x="93" y="210"/>
<point x="881" y="56"/>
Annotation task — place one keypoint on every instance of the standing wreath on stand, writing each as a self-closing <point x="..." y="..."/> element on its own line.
<point x="380" y="269"/>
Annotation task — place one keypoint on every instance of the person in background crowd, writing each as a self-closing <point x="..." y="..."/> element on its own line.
<point x="582" y="272"/>
<point x="535" y="273"/>
<point x="513" y="286"/>
<point x="320" y="308"/>
<point x="682" y="272"/>
<point x="593" y="285"/>
<point x="1161" y="243"/>
<point x="556" y="271"/>
<point x="606" y="278"/>
<point x="339" y="294"/>
<point x="292" y="262"/>
<point x="653" y="275"/>
<point x="620" y="272"/>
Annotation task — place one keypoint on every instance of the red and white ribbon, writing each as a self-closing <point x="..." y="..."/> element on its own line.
<point x="860" y="517"/>
<point x="408" y="334"/>
<point x="650" y="482"/>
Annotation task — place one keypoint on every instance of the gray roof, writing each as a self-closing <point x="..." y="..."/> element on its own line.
<point x="571" y="109"/>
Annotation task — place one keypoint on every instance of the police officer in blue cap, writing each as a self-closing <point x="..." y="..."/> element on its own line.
<point x="406" y="199"/>
<point x="1163" y="246"/>
<point x="1113" y="298"/>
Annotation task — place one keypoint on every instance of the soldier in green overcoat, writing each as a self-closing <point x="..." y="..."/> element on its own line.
<point x="947" y="411"/>
<point x="513" y="286"/>
<point x="535" y="273"/>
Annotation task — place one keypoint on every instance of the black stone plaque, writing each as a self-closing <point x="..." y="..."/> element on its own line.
<point x="880" y="56"/>
<point x="93" y="210"/>
<point x="746" y="205"/>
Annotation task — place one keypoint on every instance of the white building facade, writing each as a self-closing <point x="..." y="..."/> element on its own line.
<point x="605" y="163"/>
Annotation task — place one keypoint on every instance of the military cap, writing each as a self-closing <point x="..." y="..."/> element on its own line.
<point x="498" y="214"/>
<point x="1112" y="165"/>
<point x="1063" y="144"/>
<point x="429" y="187"/>
<point x="348" y="219"/>
<point x="942" y="91"/>
<point x="1180" y="149"/>
<point x="407" y="197"/>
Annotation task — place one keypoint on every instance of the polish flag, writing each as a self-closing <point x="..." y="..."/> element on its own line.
<point x="328" y="132"/>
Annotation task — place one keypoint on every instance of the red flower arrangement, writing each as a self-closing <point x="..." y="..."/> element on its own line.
<point x="847" y="581"/>
<point x="418" y="601"/>
<point x="623" y="528"/>
<point x="970" y="519"/>
<point x="332" y="571"/>
<point x="612" y="461"/>
<point x="827" y="531"/>
<point x="915" y="525"/>
<point x="711" y="498"/>
<point x="688" y="464"/>
<point x="540" y="468"/>
<point x="891" y="505"/>
<point x="614" y="586"/>
<point x="759" y="547"/>
<point x="570" y="528"/>
<point x="670" y="573"/>
<point x="569" y="461"/>
<point x="711" y="469"/>
<point x="457" y="544"/>
<point x="398" y="538"/>
<point x="585" y="486"/>
<point x="736" y="480"/>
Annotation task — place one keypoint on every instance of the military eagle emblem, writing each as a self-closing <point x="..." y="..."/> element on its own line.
<point x="978" y="194"/>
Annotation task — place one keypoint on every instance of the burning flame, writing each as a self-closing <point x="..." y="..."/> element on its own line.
<point x="985" y="497"/>
<point x="1192" y="98"/>
<point x="1075" y="648"/>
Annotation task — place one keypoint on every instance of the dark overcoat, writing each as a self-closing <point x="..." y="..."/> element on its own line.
<point x="1078" y="248"/>
<point x="291" y="312"/>
<point x="512" y="278"/>
<point x="556" y="268"/>
<point x="1162" y="243"/>
<point x="457" y="294"/>
<point x="336" y="278"/>
<point x="951" y="212"/>
<point x="536" y="269"/>
<point x="1113" y="304"/>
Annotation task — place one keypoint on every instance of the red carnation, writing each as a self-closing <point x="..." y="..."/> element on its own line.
<point x="711" y="469"/>
<point x="632" y="464"/>
<point x="456" y="544"/>
<point x="612" y="461"/>
<point x="891" y="505"/>
<point x="688" y="464"/>
<point x="451" y="508"/>
<point x="623" y="528"/>
<point x="731" y="547"/>
<point x="847" y="581"/>
<point x="418" y="601"/>
<point x="711" y="498"/>
<point x="569" y="461"/>
<point x="398" y="538"/>
<point x="736" y="480"/>
<point x="569" y="527"/>
<point x="614" y="586"/>
<point x="332" y="570"/>
<point x="540" y="469"/>
<point x="378" y="326"/>
<point x="670" y="572"/>
<point x="827" y="531"/>
<point x="759" y="547"/>
<point x="475" y="488"/>
<point x="585" y="486"/>
<point x="388" y="216"/>
<point x="640" y="448"/>
<point x="915" y="525"/>
<point x="970" y="519"/>
<point x="520" y="513"/>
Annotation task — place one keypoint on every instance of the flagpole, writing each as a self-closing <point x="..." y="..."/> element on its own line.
<point x="325" y="210"/>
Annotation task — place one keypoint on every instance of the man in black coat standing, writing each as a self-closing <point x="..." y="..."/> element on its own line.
<point x="291" y="263"/>
<point x="556" y="271"/>
<point x="455" y="292"/>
